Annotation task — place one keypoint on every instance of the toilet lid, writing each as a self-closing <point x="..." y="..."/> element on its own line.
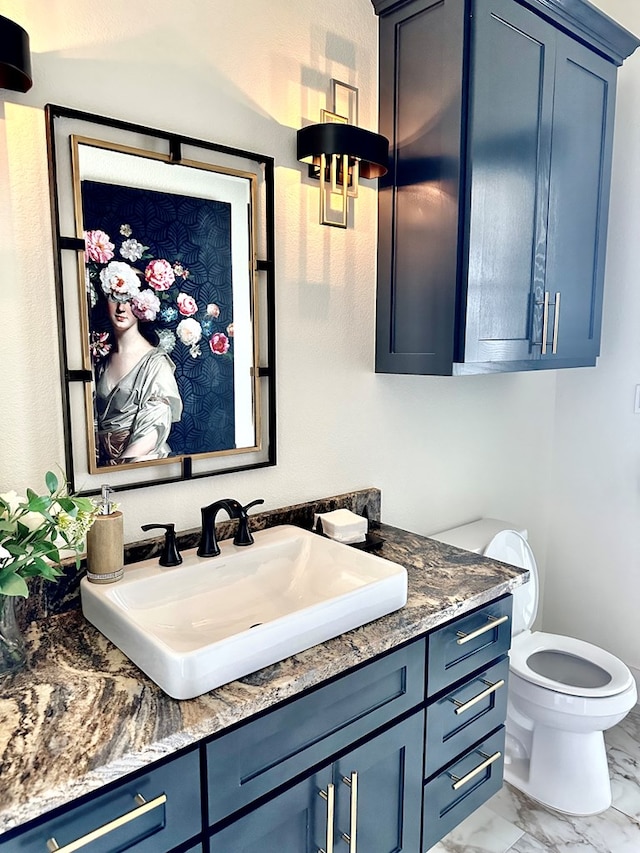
<point x="567" y="665"/>
<point x="511" y="547"/>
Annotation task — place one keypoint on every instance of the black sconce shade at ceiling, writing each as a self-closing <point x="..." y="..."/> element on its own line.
<point x="371" y="149"/>
<point x="15" y="58"/>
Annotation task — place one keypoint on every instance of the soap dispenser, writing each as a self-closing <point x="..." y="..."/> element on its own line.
<point x="105" y="543"/>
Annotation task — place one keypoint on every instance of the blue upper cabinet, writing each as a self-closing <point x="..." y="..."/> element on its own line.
<point x="493" y="217"/>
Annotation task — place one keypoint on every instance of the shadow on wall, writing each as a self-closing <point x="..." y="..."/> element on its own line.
<point x="186" y="93"/>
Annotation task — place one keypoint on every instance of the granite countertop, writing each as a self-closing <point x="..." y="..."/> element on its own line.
<point x="82" y="715"/>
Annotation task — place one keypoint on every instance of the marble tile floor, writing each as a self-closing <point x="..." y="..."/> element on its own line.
<point x="512" y="822"/>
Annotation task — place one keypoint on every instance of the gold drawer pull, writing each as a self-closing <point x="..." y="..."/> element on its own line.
<point x="353" y="811"/>
<point x="488" y="760"/>
<point x="330" y="796"/>
<point x="491" y="624"/>
<point x="143" y="808"/>
<point x="491" y="688"/>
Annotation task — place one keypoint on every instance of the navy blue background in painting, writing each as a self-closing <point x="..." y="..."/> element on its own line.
<point x="196" y="234"/>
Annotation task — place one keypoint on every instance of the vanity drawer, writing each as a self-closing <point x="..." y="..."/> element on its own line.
<point x="264" y="753"/>
<point x="459" y="790"/>
<point x="466" y="714"/>
<point x="170" y="816"/>
<point x="468" y="643"/>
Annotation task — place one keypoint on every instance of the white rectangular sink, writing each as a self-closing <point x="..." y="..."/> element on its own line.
<point x="212" y="620"/>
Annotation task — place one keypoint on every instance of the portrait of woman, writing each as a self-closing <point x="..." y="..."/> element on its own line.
<point x="136" y="394"/>
<point x="159" y="297"/>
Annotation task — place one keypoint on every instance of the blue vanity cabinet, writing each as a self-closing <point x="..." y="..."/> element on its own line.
<point x="371" y="795"/>
<point x="501" y="127"/>
<point x="372" y="759"/>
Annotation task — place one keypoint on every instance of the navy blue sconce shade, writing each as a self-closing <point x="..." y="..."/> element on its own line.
<point x="371" y="149"/>
<point x="15" y="58"/>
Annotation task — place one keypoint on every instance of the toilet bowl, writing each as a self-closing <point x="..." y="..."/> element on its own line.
<point x="563" y="692"/>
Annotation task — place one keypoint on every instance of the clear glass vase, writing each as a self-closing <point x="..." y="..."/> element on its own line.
<point x="13" y="655"/>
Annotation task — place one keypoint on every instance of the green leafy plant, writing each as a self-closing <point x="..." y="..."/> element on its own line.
<point x="34" y="529"/>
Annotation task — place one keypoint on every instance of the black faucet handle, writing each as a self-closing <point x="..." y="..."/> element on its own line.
<point x="170" y="555"/>
<point x="243" y="534"/>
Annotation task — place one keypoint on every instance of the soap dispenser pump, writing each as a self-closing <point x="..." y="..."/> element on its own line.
<point x="105" y="543"/>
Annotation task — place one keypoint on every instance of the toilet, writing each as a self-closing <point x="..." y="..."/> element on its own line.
<point x="563" y="693"/>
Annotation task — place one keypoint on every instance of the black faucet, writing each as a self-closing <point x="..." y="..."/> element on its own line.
<point x="170" y="555"/>
<point x="208" y="544"/>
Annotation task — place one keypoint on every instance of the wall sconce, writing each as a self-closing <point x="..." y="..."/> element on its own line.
<point x="339" y="153"/>
<point x="15" y="58"/>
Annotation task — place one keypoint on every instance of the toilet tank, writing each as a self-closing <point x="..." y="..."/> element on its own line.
<point x="476" y="535"/>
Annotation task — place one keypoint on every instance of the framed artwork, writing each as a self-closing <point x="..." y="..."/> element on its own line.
<point x="164" y="267"/>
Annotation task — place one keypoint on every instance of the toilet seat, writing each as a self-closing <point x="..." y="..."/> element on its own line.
<point x="589" y="658"/>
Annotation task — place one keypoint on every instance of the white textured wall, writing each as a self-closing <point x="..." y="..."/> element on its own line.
<point x="443" y="450"/>
<point x="593" y="559"/>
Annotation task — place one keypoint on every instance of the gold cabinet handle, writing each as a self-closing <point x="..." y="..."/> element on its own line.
<point x="491" y="688"/>
<point x="545" y="322"/>
<point x="351" y="840"/>
<point x="556" y="320"/>
<point x="493" y="622"/>
<point x="458" y="782"/>
<point x="143" y="808"/>
<point x="330" y="796"/>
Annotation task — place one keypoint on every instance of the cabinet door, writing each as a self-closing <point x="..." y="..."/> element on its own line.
<point x="509" y="147"/>
<point x="296" y="821"/>
<point x="379" y="789"/>
<point x="579" y="199"/>
<point x="421" y="62"/>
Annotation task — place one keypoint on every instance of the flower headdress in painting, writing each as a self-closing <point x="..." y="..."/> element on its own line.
<point x="152" y="287"/>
